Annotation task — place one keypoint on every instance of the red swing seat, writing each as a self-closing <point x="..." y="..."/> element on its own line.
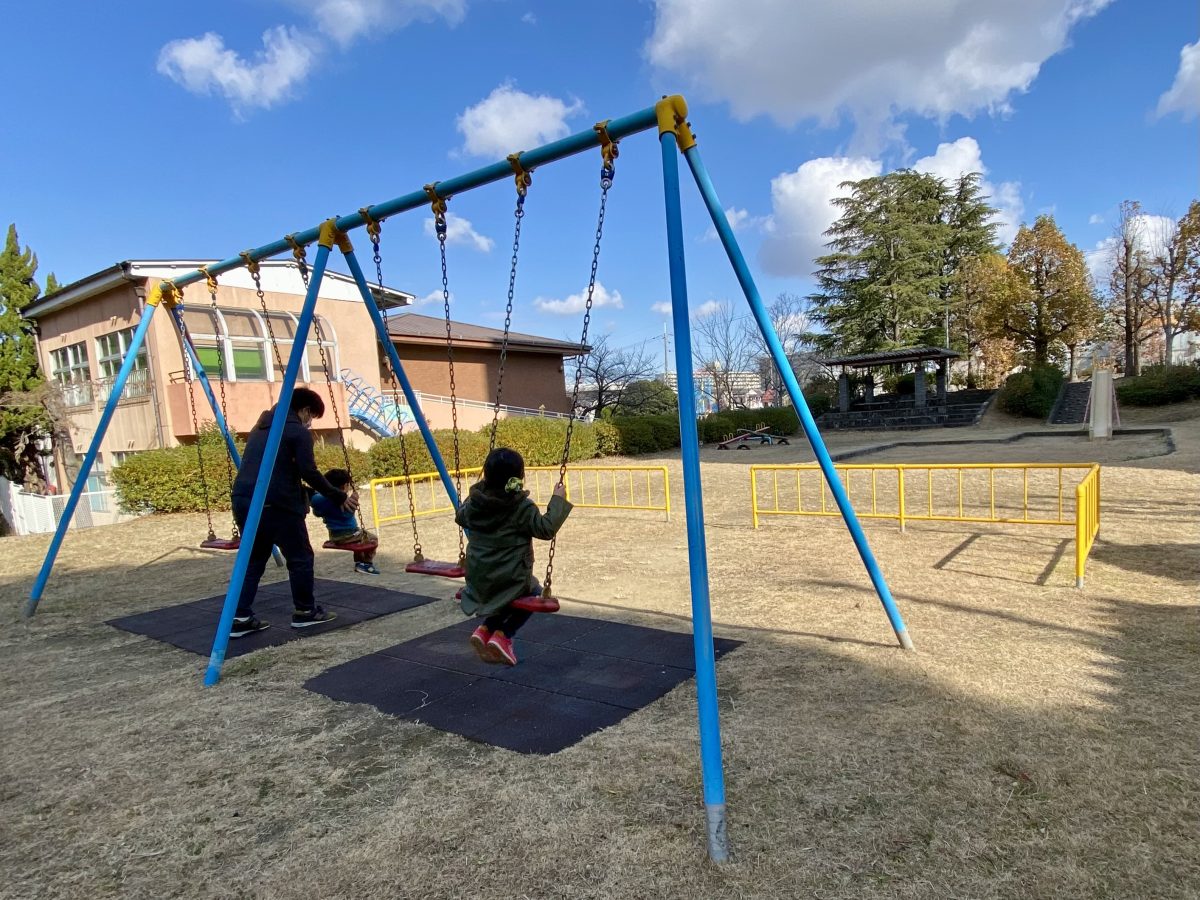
<point x="221" y="543"/>
<point x="534" y="604"/>
<point x="434" y="567"/>
<point x="354" y="548"/>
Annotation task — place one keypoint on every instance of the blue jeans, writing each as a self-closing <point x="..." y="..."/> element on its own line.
<point x="287" y="531"/>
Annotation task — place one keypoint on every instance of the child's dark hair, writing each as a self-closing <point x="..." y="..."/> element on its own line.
<point x="304" y="398"/>
<point x="502" y="464"/>
<point x="338" y="477"/>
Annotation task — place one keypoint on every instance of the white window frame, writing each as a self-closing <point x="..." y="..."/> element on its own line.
<point x="227" y="344"/>
<point x="75" y="374"/>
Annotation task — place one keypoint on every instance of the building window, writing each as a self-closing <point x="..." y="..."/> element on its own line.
<point x="241" y="339"/>
<point x="72" y="372"/>
<point x="111" y="350"/>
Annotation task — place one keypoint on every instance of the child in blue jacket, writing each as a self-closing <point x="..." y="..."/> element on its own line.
<point x="343" y="525"/>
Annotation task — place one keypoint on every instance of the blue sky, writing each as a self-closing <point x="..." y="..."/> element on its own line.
<point x="197" y="130"/>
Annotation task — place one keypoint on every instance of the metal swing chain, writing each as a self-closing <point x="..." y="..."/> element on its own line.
<point x="607" y="173"/>
<point x="252" y="268"/>
<point x="191" y="383"/>
<point x="440" y="227"/>
<point x="523" y="180"/>
<point x="212" y="297"/>
<point x="302" y="264"/>
<point x="374" y="230"/>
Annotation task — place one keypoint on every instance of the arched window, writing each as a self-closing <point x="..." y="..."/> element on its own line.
<point x="242" y="337"/>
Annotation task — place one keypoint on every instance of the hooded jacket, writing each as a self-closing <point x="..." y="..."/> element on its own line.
<point x="500" y="550"/>
<point x="294" y="463"/>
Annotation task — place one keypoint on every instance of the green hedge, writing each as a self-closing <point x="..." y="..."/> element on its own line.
<point x="1160" y="385"/>
<point x="169" y="480"/>
<point x="1031" y="393"/>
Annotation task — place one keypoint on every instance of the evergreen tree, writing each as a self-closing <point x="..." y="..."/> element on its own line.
<point x="1053" y="305"/>
<point x="894" y="253"/>
<point x="19" y="372"/>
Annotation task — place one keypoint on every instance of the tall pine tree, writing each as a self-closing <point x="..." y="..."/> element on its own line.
<point x="19" y="373"/>
<point x="894" y="253"/>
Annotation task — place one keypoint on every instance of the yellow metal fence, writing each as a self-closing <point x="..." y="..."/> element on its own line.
<point x="1000" y="493"/>
<point x="640" y="488"/>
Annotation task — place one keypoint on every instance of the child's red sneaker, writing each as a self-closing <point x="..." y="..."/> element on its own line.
<point x="502" y="647"/>
<point x="479" y="643"/>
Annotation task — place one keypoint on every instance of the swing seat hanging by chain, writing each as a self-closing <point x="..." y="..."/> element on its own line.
<point x="534" y="603"/>
<point x="212" y="542"/>
<point x="356" y="547"/>
<point x="434" y="567"/>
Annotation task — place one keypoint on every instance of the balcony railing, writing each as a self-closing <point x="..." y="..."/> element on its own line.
<point x="136" y="386"/>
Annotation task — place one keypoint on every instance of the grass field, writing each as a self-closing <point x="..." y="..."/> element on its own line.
<point x="1041" y="742"/>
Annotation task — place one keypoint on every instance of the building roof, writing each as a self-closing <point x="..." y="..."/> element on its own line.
<point x="281" y="275"/>
<point x="413" y="328"/>
<point x="891" y="357"/>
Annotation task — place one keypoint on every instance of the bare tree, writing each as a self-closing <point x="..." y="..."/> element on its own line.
<point x="607" y="371"/>
<point x="1129" y="283"/>
<point x="1175" y="277"/>
<point x="789" y="316"/>
<point x="723" y="351"/>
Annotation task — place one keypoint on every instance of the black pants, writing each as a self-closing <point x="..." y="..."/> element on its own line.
<point x="287" y="531"/>
<point x="507" y="620"/>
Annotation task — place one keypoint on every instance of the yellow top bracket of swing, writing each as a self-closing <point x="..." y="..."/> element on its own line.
<point x="523" y="176"/>
<point x="438" y="203"/>
<point x="608" y="147"/>
<point x="210" y="280"/>
<point x="297" y="249"/>
<point x="165" y="293"/>
<point x="251" y="262"/>
<point x="373" y="227"/>
<point x="330" y="236"/>
<point x="672" y="116"/>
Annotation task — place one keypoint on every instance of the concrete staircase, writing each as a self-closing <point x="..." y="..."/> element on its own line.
<point x="1072" y="404"/>
<point x="889" y="413"/>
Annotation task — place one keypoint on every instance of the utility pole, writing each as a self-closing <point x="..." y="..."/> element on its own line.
<point x="666" y="364"/>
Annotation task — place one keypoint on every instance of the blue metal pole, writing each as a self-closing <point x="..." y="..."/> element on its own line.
<point x="702" y="636"/>
<point x="89" y="460"/>
<point x="501" y="171"/>
<point x="406" y="386"/>
<point x="266" y="467"/>
<point x="186" y="339"/>
<point x="721" y="223"/>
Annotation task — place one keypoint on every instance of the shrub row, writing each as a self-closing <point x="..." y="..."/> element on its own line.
<point x="1160" y="385"/>
<point x="1032" y="392"/>
<point x="168" y="480"/>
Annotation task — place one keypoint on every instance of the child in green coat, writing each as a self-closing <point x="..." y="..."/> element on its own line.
<point x="502" y="522"/>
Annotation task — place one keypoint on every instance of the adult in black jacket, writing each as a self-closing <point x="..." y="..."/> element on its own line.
<point x="284" y="512"/>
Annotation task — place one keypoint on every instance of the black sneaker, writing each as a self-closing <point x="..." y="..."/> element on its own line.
<point x="316" y="616"/>
<point x="247" y="625"/>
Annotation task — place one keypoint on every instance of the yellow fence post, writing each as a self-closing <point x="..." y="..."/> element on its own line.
<point x="754" y="494"/>
<point x="900" y="494"/>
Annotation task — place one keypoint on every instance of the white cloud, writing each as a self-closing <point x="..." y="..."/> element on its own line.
<point x="1095" y="219"/>
<point x="509" y="120"/>
<point x="347" y="20"/>
<point x="529" y="18"/>
<point x="461" y="231"/>
<point x="662" y="308"/>
<point x="824" y="59"/>
<point x="431" y="298"/>
<point x="575" y="303"/>
<point x="953" y="160"/>
<point x="205" y="65"/>
<point x="739" y="220"/>
<point x="1184" y="95"/>
<point x="802" y="210"/>
<point x="707" y="309"/>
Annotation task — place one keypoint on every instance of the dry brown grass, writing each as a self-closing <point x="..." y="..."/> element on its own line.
<point x="1040" y="743"/>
